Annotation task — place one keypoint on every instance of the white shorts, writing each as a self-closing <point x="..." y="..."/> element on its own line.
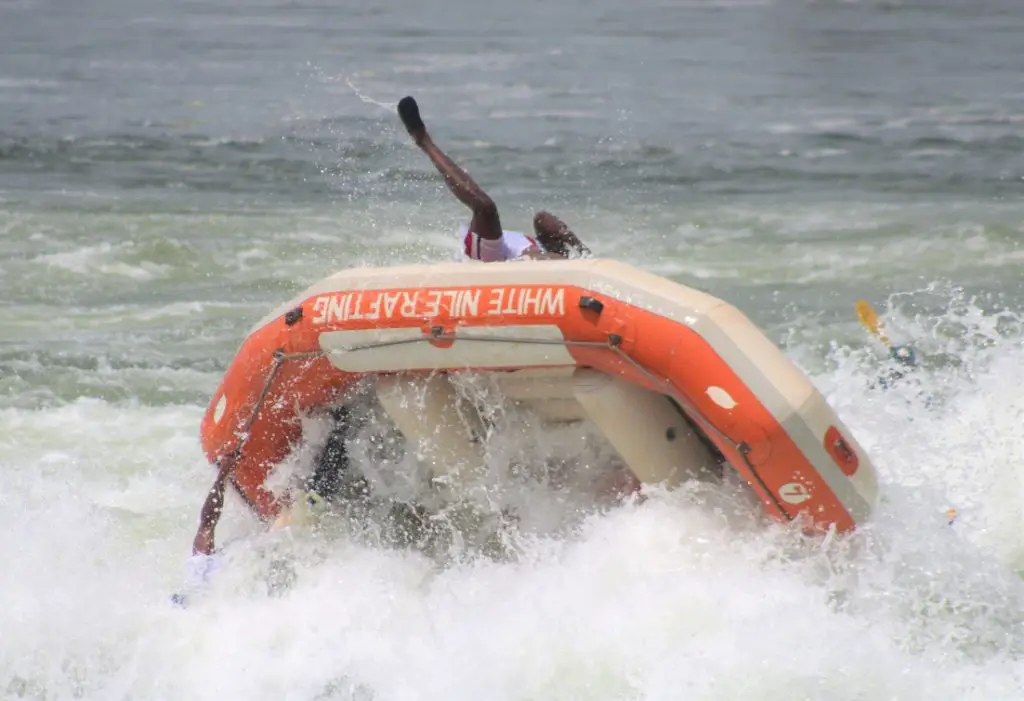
<point x="512" y="244"/>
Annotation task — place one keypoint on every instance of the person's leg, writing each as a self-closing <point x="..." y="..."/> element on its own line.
<point x="485" y="223"/>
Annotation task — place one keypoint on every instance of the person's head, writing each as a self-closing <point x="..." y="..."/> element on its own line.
<point x="904" y="355"/>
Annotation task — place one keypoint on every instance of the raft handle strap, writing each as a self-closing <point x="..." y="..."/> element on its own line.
<point x="279" y="358"/>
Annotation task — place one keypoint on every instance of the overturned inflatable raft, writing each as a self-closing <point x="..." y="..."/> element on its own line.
<point x="673" y="378"/>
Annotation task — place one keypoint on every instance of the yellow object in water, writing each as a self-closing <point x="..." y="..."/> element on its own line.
<point x="869" y="319"/>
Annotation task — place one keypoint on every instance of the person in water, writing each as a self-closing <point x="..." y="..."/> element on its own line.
<point x="483" y="237"/>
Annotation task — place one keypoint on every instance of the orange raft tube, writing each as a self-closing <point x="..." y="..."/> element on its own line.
<point x="630" y="351"/>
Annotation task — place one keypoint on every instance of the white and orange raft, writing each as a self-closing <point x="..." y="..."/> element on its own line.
<point x="668" y="374"/>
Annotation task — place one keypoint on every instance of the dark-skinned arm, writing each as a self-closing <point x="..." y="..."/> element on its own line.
<point x="202" y="561"/>
<point x="209" y="516"/>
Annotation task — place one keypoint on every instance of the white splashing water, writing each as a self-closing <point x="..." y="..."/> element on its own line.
<point x="687" y="595"/>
